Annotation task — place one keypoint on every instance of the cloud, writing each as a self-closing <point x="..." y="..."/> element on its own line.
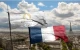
<point x="69" y="14"/>
<point x="40" y="4"/>
<point x="25" y="6"/>
<point x="66" y="10"/>
<point x="63" y="14"/>
<point x="3" y="6"/>
<point x="16" y="20"/>
<point x="3" y="20"/>
<point x="15" y="10"/>
<point x="66" y="13"/>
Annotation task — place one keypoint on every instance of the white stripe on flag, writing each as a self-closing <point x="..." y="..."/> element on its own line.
<point x="48" y="34"/>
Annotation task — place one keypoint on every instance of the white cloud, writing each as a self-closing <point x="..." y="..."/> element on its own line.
<point x="41" y="4"/>
<point x="25" y="6"/>
<point x="15" y="10"/>
<point x="63" y="14"/>
<point x="64" y="8"/>
<point x="3" y="6"/>
<point x="16" y="20"/>
<point x="67" y="12"/>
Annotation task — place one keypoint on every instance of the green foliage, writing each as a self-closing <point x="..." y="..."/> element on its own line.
<point x="74" y="49"/>
<point x="44" y="46"/>
<point x="64" y="46"/>
<point x="70" y="45"/>
<point x="1" y="48"/>
<point x="40" y="44"/>
<point x="33" y="47"/>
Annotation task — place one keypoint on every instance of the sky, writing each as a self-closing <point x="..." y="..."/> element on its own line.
<point x="45" y="4"/>
<point x="55" y="12"/>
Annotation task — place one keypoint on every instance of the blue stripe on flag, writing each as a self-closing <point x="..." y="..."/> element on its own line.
<point x="35" y="35"/>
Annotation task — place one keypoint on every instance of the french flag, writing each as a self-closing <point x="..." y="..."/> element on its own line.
<point x="48" y="34"/>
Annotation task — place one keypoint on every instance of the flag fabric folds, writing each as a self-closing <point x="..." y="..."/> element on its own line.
<point x="48" y="34"/>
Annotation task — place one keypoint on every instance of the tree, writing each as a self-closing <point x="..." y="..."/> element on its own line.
<point x="70" y="45"/>
<point x="64" y="46"/>
<point x="44" y="46"/>
<point x="33" y="47"/>
<point x="1" y="49"/>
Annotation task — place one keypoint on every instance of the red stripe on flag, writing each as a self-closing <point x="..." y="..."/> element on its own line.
<point x="59" y="32"/>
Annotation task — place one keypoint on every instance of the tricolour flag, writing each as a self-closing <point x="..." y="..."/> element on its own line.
<point x="48" y="34"/>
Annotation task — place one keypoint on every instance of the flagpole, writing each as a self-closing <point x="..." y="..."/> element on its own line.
<point x="29" y="37"/>
<point x="10" y="29"/>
